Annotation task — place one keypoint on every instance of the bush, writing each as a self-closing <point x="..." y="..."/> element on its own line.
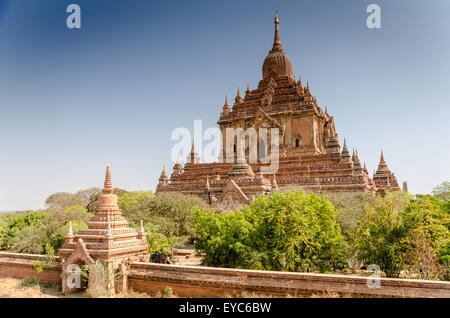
<point x="157" y="241"/>
<point x="290" y="231"/>
<point x="442" y="191"/>
<point x="30" y="240"/>
<point x="351" y="206"/>
<point x="129" y="200"/>
<point x="399" y="231"/>
<point x="30" y="282"/>
<point x="63" y="200"/>
<point x="170" y="212"/>
<point x="224" y="238"/>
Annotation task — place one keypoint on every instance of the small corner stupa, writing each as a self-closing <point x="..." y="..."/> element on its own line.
<point x="107" y="238"/>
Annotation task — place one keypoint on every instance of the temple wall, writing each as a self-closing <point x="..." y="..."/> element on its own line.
<point x="193" y="281"/>
<point x="17" y="265"/>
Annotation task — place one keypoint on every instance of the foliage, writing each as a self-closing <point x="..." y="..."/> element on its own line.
<point x="77" y="208"/>
<point x="290" y="231"/>
<point x="423" y="261"/>
<point x="63" y="200"/>
<point x="130" y="199"/>
<point x="170" y="212"/>
<point x="48" y="260"/>
<point x="57" y="237"/>
<point x="442" y="191"/>
<point x="31" y="231"/>
<point x="30" y="282"/>
<point x="224" y="238"/>
<point x="29" y="240"/>
<point x="390" y="231"/>
<point x="157" y="241"/>
<point x="351" y="206"/>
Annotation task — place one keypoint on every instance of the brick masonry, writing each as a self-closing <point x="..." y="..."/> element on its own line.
<point x="192" y="281"/>
<point x="20" y="266"/>
<point x="196" y="281"/>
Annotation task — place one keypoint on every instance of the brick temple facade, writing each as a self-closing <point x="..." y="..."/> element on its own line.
<point x="310" y="154"/>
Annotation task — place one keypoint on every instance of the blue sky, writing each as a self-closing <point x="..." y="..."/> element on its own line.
<point x="72" y="101"/>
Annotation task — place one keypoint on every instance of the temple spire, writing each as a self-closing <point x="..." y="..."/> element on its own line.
<point x="141" y="227"/>
<point x="382" y="157"/>
<point x="70" y="231"/>
<point x="163" y="179"/>
<point x="108" y="189"/>
<point x="226" y="108"/>
<point x="382" y="166"/>
<point x="276" y="39"/>
<point x="193" y="157"/>
<point x="238" y="99"/>
<point x="345" y="155"/>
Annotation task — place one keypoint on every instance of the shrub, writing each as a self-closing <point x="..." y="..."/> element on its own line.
<point x="398" y="231"/>
<point x="290" y="231"/>
<point x="223" y="238"/>
<point x="442" y="191"/>
<point x="30" y="282"/>
<point x="64" y="200"/>
<point x="29" y="240"/>
<point x="351" y="206"/>
<point x="170" y="212"/>
<point x="128" y="200"/>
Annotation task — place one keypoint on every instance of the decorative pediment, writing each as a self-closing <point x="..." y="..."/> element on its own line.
<point x="79" y="253"/>
<point x="262" y="119"/>
<point x="233" y="192"/>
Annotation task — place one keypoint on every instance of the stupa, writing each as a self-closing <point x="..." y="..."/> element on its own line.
<point x="107" y="238"/>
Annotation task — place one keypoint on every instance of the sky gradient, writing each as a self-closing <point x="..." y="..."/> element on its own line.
<point x="72" y="101"/>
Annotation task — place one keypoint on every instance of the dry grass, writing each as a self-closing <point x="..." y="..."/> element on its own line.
<point x="11" y="288"/>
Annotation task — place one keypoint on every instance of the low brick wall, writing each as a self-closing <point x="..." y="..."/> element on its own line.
<point x="17" y="265"/>
<point x="192" y="281"/>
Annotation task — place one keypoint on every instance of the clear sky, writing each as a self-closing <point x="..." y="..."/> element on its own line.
<point x="72" y="101"/>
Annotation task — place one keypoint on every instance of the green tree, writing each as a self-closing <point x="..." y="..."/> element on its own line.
<point x="130" y="199"/>
<point x="224" y="238"/>
<point x="351" y="206"/>
<point x="442" y="191"/>
<point x="395" y="225"/>
<point x="298" y="231"/>
<point x="290" y="231"/>
<point x="64" y="200"/>
<point x="30" y="240"/>
<point x="170" y="212"/>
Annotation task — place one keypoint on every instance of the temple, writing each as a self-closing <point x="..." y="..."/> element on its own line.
<point x="310" y="154"/>
<point x="107" y="238"/>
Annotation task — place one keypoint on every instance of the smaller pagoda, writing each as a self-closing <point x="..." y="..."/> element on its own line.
<point x="107" y="238"/>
